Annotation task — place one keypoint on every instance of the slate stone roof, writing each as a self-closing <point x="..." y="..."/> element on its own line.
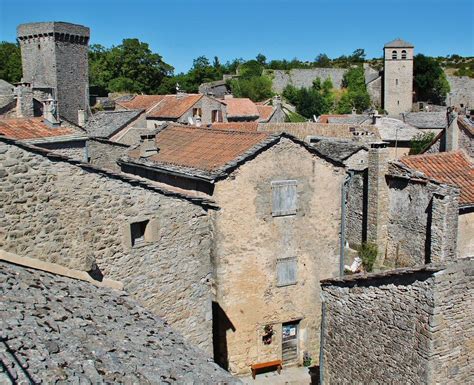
<point x="454" y="168"/>
<point x="434" y="120"/>
<point x="201" y="152"/>
<point x="104" y="124"/>
<point x="350" y="119"/>
<point x="66" y="330"/>
<point x="391" y="130"/>
<point x="35" y="128"/>
<point x="399" y="43"/>
<point x="338" y="149"/>
<point x="173" y="106"/>
<point x="5" y="87"/>
<point x="241" y="108"/>
<point x="466" y="124"/>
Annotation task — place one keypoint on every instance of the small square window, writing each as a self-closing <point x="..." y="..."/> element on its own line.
<point x="284" y="197"/>
<point x="137" y="231"/>
<point x="286" y="272"/>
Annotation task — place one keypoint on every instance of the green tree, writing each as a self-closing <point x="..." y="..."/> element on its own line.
<point x="429" y="80"/>
<point x="322" y="60"/>
<point x="257" y="88"/>
<point x="261" y="59"/>
<point x="356" y="95"/>
<point x="420" y="141"/>
<point x="10" y="62"/>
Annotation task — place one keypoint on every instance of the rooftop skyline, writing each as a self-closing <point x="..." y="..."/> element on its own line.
<point x="182" y="30"/>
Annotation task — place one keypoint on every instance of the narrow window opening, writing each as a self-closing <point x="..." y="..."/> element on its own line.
<point x="137" y="230"/>
<point x="286" y="272"/>
<point x="396" y="82"/>
<point x="394" y="55"/>
<point x="404" y="54"/>
<point x="284" y="197"/>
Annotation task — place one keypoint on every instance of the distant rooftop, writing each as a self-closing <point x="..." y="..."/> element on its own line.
<point x="426" y="120"/>
<point x="241" y="108"/>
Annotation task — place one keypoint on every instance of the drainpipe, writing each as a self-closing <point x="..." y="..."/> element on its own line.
<point x="347" y="180"/>
<point x="321" y="339"/>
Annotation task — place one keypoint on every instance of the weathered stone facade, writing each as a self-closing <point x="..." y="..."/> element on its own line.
<point x="407" y="326"/>
<point x="461" y="92"/>
<point x="81" y="217"/>
<point x="303" y="78"/>
<point x="72" y="149"/>
<point x="422" y="220"/>
<point x="55" y="58"/>
<point x="56" y="329"/>
<point x="249" y="242"/>
<point x="104" y="153"/>
<point x="465" y="240"/>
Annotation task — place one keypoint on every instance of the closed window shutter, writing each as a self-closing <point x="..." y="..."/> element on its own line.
<point x="286" y="272"/>
<point x="284" y="197"/>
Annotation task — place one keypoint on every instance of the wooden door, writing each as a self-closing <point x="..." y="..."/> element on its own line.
<point x="289" y="346"/>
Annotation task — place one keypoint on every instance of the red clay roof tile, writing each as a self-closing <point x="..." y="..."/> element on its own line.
<point x="201" y="148"/>
<point x="142" y="102"/>
<point x="236" y="126"/>
<point x="240" y="107"/>
<point x="448" y="167"/>
<point x="30" y="128"/>
<point x="173" y="106"/>
<point x="265" y="112"/>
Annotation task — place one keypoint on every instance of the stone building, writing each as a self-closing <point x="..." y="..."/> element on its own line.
<point x="55" y="63"/>
<point x="453" y="168"/>
<point x="154" y="240"/>
<point x="275" y="236"/>
<point x="56" y="327"/>
<point x="401" y="326"/>
<point x="398" y="77"/>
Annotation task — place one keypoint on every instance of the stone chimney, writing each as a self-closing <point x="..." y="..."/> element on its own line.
<point x="148" y="145"/>
<point x="24" y="100"/>
<point x="276" y="101"/>
<point x="452" y="132"/>
<point x="81" y="118"/>
<point x="49" y="112"/>
<point x="378" y="196"/>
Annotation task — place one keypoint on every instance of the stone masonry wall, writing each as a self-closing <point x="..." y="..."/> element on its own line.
<point x="356" y="210"/>
<point x="451" y="326"/>
<point x="408" y="326"/>
<point x="374" y="332"/>
<point x="422" y="222"/>
<point x="304" y="77"/>
<point x="466" y="142"/>
<point x="105" y="154"/>
<point x="81" y="218"/>
<point x="74" y="150"/>
<point x="248" y="242"/>
<point x="461" y="91"/>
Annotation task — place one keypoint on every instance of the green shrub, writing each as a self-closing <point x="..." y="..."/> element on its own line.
<point x="368" y="253"/>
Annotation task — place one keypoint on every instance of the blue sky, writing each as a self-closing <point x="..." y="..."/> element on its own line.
<point x="181" y="30"/>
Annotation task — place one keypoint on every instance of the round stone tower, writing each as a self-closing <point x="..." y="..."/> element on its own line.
<point x="398" y="77"/>
<point x="55" y="60"/>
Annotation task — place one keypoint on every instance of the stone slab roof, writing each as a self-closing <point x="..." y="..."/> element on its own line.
<point x="466" y="124"/>
<point x="241" y="108"/>
<point x="104" y="124"/>
<point x="338" y="149"/>
<point x="399" y="43"/>
<point x="6" y="87"/>
<point x="349" y="119"/>
<point x="62" y="329"/>
<point x="341" y="131"/>
<point x="173" y="106"/>
<point x="391" y="130"/>
<point x="35" y="129"/>
<point x="434" y="120"/>
<point x="455" y="168"/>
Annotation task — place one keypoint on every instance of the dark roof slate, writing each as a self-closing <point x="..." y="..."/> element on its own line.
<point x="104" y="124"/>
<point x="67" y="330"/>
<point x="399" y="43"/>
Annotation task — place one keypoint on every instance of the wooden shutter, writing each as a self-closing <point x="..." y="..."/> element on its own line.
<point x="284" y="197"/>
<point x="286" y="271"/>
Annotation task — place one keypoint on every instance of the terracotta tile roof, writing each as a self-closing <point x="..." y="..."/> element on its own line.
<point x="265" y="112"/>
<point x="240" y="107"/>
<point x="236" y="126"/>
<point x="325" y="117"/>
<point x="173" y="106"/>
<point x="31" y="128"/>
<point x="448" y="167"/>
<point x="186" y="148"/>
<point x="141" y="102"/>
